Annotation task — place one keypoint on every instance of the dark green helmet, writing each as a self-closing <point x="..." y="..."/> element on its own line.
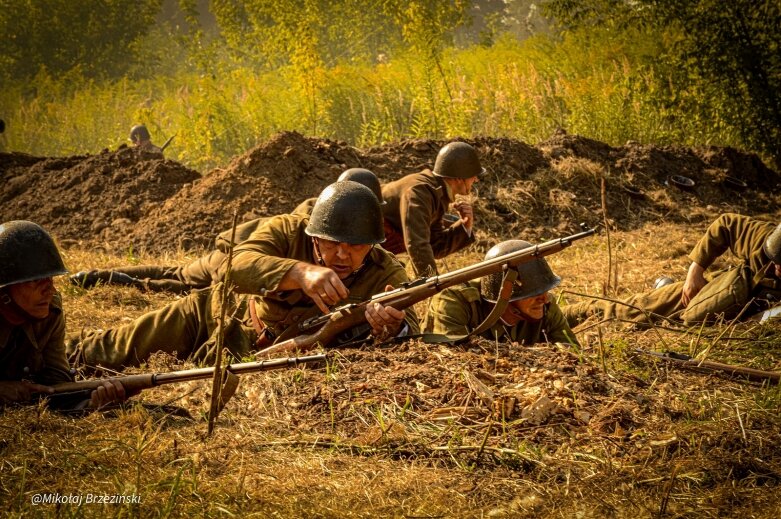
<point x="139" y="133"/>
<point x="365" y="177"/>
<point x="458" y="160"/>
<point x="535" y="277"/>
<point x="347" y="212"/>
<point x="27" y="253"/>
<point x="772" y="245"/>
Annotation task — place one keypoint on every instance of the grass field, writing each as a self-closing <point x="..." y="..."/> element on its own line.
<point x="406" y="432"/>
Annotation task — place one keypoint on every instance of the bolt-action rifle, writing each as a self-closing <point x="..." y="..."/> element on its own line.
<point x="326" y="328"/>
<point x="686" y="362"/>
<point x="165" y="145"/>
<point x="136" y="383"/>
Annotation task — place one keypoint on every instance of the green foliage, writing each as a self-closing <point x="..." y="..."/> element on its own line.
<point x="60" y="36"/>
<point x="723" y="58"/>
<point x="390" y="71"/>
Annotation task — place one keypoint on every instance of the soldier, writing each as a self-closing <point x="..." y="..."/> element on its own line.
<point x="742" y="291"/>
<point x="417" y="204"/>
<point x="210" y="268"/>
<point x="529" y="316"/>
<point x="32" y="324"/>
<point x="140" y="137"/>
<point x="296" y="265"/>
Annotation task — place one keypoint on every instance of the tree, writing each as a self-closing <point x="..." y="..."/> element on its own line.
<point x="729" y="50"/>
<point x="96" y="38"/>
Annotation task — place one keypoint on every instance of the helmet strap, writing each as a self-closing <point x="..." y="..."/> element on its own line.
<point x="318" y="254"/>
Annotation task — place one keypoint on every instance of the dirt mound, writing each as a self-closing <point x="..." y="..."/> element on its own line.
<point x="128" y="199"/>
<point x="82" y="198"/>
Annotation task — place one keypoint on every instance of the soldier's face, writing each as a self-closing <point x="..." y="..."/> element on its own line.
<point x="33" y="297"/>
<point x="464" y="186"/>
<point x="530" y="309"/>
<point x="342" y="258"/>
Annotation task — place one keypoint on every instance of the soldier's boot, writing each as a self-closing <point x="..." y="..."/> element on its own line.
<point x="91" y="278"/>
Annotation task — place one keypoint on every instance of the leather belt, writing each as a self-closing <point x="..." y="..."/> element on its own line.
<point x="265" y="335"/>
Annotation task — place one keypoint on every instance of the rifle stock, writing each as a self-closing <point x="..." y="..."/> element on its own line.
<point x="136" y="383"/>
<point x="331" y="325"/>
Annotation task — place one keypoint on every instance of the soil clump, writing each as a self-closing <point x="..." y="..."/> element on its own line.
<point x="130" y="200"/>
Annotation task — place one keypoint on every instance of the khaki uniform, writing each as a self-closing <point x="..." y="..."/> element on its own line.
<point x="459" y="310"/>
<point x="35" y="351"/>
<point x="744" y="237"/>
<point x="206" y="270"/>
<point x="415" y="205"/>
<point x="187" y="327"/>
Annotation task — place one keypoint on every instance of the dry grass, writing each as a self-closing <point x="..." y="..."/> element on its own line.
<point x="403" y="432"/>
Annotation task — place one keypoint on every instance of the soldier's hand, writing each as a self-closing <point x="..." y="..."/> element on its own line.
<point x="464" y="210"/>
<point x="21" y="390"/>
<point x="695" y="281"/>
<point x="110" y="392"/>
<point x="319" y="283"/>
<point x="385" y="321"/>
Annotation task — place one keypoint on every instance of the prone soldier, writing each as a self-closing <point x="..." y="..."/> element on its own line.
<point x="529" y="316"/>
<point x="290" y="269"/>
<point x="32" y="322"/>
<point x="752" y="286"/>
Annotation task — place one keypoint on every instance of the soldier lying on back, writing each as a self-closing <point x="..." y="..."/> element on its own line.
<point x="296" y="265"/>
<point x="210" y="268"/>
<point x="530" y="317"/>
<point x="417" y="205"/>
<point x="32" y="324"/>
<point x="755" y="284"/>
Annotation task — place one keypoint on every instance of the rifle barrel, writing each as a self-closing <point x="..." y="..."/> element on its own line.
<point x="147" y="380"/>
<point x="706" y="366"/>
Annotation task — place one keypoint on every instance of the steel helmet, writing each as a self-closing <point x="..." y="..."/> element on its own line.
<point x="772" y="245"/>
<point x="458" y="160"/>
<point x="365" y="177"/>
<point x="535" y="277"/>
<point x="27" y="253"/>
<point x="139" y="133"/>
<point x="347" y="212"/>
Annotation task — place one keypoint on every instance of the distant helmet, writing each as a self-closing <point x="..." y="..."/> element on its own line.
<point x="365" y="177"/>
<point x="458" y="160"/>
<point x="534" y="277"/>
<point x="772" y="246"/>
<point x="27" y="253"/>
<point x="139" y="133"/>
<point x="663" y="281"/>
<point x="347" y="212"/>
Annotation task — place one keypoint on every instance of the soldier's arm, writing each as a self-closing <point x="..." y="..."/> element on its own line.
<point x="556" y="327"/>
<point x="416" y="208"/>
<point x="741" y="235"/>
<point x="55" y="361"/>
<point x="447" y="240"/>
<point x="448" y="314"/>
<point x="260" y="263"/>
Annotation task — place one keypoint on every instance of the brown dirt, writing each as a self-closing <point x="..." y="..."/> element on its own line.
<point x="127" y="200"/>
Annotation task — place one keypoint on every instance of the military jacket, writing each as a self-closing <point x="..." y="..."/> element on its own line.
<point x="415" y="205"/>
<point x="741" y="235"/>
<point x="35" y="351"/>
<point x="459" y="310"/>
<point x="263" y="260"/>
<point x="245" y="230"/>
